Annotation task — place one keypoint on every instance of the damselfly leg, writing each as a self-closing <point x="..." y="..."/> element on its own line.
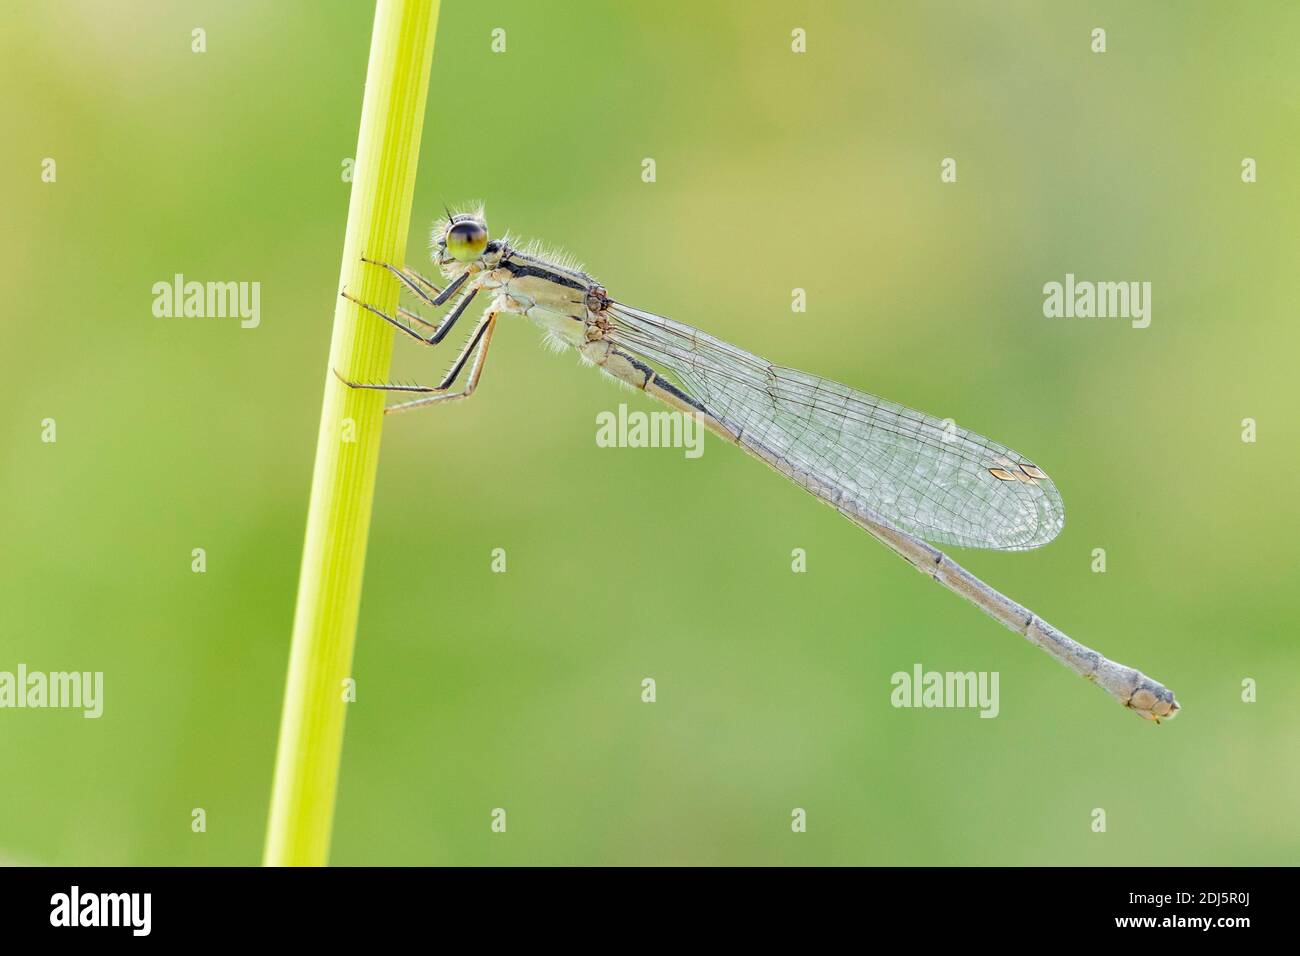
<point x="477" y="345"/>
<point x="411" y="279"/>
<point x="484" y="333"/>
<point x="417" y="284"/>
<point x="440" y="330"/>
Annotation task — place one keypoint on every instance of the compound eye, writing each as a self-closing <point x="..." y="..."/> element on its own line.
<point x="466" y="240"/>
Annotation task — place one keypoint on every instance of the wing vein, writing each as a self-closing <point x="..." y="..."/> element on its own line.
<point x="927" y="476"/>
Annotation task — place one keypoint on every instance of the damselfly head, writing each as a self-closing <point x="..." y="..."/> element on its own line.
<point x="461" y="236"/>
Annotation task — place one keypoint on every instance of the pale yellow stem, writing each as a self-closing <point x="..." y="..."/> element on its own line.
<point x="347" y="449"/>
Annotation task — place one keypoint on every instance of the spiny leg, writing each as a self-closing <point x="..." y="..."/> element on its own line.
<point x="415" y="317"/>
<point x="439" y="331"/>
<point x="482" y="334"/>
<point x="413" y="281"/>
<point x="409" y="278"/>
<point x="471" y="381"/>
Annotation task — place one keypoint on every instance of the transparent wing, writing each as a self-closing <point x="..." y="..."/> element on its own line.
<point x="928" y="477"/>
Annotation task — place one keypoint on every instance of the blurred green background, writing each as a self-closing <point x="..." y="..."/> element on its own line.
<point x="775" y="170"/>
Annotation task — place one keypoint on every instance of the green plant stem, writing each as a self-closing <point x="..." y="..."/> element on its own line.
<point x="347" y="449"/>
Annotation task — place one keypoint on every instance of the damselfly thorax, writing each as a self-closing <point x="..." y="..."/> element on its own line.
<point x="564" y="301"/>
<point x="906" y="477"/>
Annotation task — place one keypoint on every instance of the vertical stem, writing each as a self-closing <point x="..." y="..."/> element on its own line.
<point x="347" y="448"/>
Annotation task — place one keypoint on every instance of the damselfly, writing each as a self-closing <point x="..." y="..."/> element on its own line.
<point x="905" y="477"/>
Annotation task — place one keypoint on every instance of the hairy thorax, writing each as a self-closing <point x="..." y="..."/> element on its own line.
<point x="567" y="303"/>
